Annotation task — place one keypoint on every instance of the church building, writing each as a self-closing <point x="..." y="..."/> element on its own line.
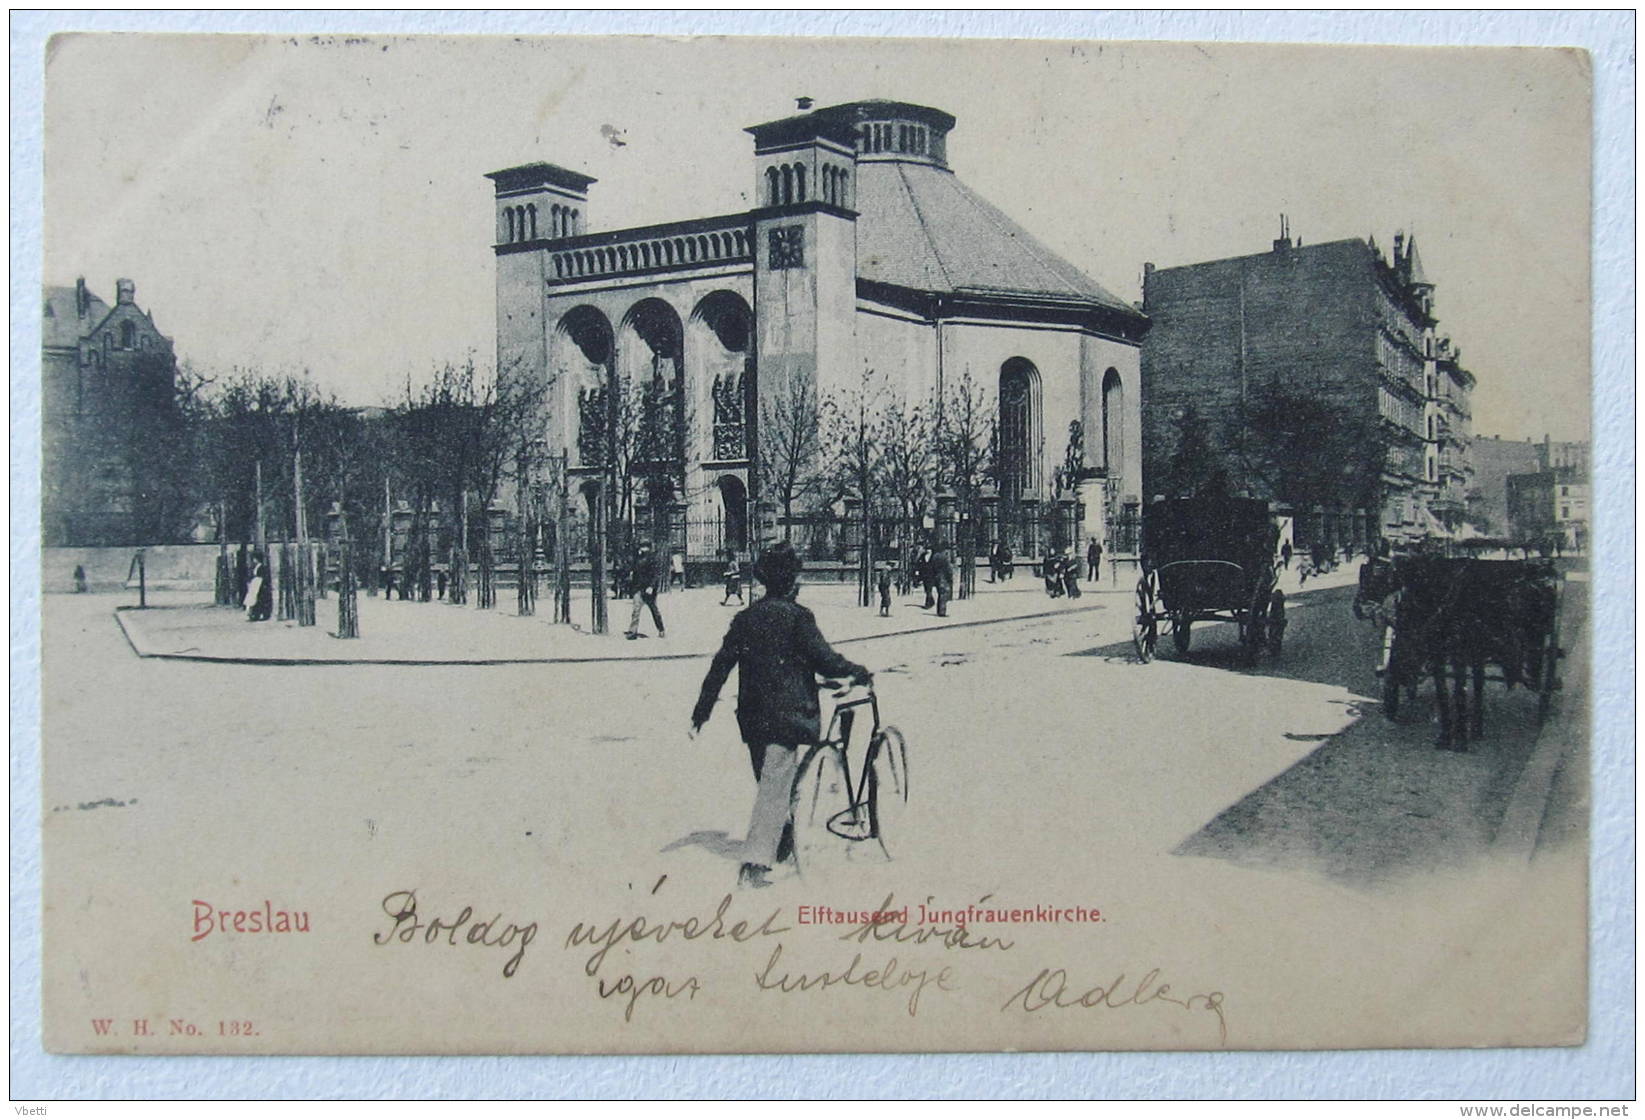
<point x="866" y="252"/>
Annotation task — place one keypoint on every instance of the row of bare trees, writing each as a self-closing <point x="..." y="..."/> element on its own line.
<point x="275" y="458"/>
<point x="886" y="456"/>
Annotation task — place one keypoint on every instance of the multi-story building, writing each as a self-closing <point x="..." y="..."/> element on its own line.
<point x="1450" y="437"/>
<point x="1310" y="376"/>
<point x="866" y="253"/>
<point x="1494" y="460"/>
<point x="1549" y="506"/>
<point x="108" y="379"/>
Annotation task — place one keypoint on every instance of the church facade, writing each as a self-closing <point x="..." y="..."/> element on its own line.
<point x="867" y="262"/>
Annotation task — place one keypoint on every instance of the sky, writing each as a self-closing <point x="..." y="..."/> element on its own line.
<point x="319" y="203"/>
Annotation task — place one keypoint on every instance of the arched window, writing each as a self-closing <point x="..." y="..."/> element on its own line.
<point x="1019" y="427"/>
<point x="554" y="227"/>
<point x="1113" y="423"/>
<point x="1431" y="428"/>
<point x="508" y="220"/>
<point x="773" y="192"/>
<point x="799" y="182"/>
<point x="788" y="184"/>
<point x="128" y="335"/>
<point x="576" y="220"/>
<point x="864" y="138"/>
<point x="531" y="212"/>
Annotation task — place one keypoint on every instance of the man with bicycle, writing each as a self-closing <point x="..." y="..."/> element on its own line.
<point x="779" y="653"/>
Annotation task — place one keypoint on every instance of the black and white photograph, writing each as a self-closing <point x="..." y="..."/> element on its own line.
<point x="641" y="545"/>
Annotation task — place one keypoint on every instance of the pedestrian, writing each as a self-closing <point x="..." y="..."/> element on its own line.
<point x="885" y="591"/>
<point x="1006" y="561"/>
<point x="242" y="574"/>
<point x="778" y="653"/>
<point x="1093" y="560"/>
<point x="1071" y="576"/>
<point x="733" y="578"/>
<point x="440" y="578"/>
<point x="79" y="579"/>
<point x="927" y="583"/>
<point x="942" y="578"/>
<point x="1051" y="571"/>
<point x="996" y="570"/>
<point x="676" y="569"/>
<point x="643" y="580"/>
<point x="259" y="602"/>
<point x="1285" y="555"/>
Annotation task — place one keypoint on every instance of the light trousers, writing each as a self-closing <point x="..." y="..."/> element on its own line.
<point x="773" y="805"/>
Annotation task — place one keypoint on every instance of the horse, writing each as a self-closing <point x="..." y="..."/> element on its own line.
<point x="1451" y="618"/>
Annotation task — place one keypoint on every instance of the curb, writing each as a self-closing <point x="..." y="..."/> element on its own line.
<point x="331" y="662"/>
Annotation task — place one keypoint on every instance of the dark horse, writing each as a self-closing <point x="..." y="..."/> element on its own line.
<point x="1455" y="617"/>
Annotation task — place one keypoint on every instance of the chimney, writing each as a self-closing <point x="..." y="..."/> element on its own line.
<point x="804" y="104"/>
<point x="125" y="291"/>
<point x="1283" y="241"/>
<point x="81" y="303"/>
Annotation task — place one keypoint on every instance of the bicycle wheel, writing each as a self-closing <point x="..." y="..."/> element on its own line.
<point x="818" y="792"/>
<point x="886" y="793"/>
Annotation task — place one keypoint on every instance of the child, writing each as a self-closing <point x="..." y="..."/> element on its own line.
<point x="885" y="591"/>
<point x="733" y="580"/>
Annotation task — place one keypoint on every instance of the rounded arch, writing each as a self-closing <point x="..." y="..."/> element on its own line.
<point x="723" y="393"/>
<point x="1019" y="425"/>
<point x="1113" y="423"/>
<point x="733" y="495"/>
<point x="585" y="349"/>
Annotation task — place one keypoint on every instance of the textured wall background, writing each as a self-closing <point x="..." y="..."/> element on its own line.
<point x="1601" y="1069"/>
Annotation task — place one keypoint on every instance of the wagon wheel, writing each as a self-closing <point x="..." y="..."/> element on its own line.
<point x="1145" y="623"/>
<point x="1180" y="623"/>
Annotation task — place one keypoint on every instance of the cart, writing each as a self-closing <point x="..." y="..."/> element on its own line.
<point x="1463" y="622"/>
<point x="1209" y="560"/>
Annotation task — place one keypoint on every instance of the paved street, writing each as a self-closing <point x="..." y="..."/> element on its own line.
<point x="1267" y="809"/>
<point x="1289" y="765"/>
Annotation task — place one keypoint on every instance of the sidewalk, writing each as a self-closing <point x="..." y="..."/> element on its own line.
<point x="182" y="626"/>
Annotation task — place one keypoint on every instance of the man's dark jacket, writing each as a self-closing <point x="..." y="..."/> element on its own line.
<point x="779" y="653"/>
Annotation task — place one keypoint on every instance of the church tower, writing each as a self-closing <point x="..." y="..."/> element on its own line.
<point x="805" y="252"/>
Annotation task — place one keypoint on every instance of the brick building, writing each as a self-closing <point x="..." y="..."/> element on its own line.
<point x="866" y="253"/>
<point x="1313" y="377"/>
<point x="108" y="379"/>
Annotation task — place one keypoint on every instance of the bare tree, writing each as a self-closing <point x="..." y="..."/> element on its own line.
<point x="967" y="418"/>
<point x="790" y="448"/>
<point x="908" y="462"/>
<point x="851" y="433"/>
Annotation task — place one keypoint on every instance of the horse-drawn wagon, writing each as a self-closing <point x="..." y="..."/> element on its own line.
<point x="1209" y="559"/>
<point x="1457" y="620"/>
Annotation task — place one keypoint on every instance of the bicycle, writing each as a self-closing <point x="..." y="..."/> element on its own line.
<point x="823" y="781"/>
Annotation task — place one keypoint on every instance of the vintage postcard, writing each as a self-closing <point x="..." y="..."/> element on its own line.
<point x="642" y="545"/>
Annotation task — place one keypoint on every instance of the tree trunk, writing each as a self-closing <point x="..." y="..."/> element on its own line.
<point x="865" y="569"/>
<point x="597" y="542"/>
<point x="348" y="602"/>
<point x="562" y="543"/>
